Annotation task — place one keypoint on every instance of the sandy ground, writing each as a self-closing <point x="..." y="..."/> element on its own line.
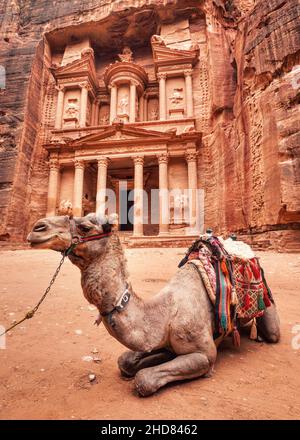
<point x="42" y="374"/>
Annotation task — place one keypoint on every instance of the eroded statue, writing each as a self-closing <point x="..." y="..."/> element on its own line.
<point x="123" y="105"/>
<point x="176" y="98"/>
<point x="126" y="55"/>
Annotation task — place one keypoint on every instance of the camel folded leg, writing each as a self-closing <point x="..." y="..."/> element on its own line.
<point x="187" y="366"/>
<point x="268" y="325"/>
<point x="131" y="362"/>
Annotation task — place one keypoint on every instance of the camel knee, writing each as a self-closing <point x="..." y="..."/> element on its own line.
<point x="269" y="325"/>
<point x="273" y="338"/>
<point x="127" y="363"/>
<point x="211" y="356"/>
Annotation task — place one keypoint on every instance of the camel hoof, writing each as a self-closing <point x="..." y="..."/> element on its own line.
<point x="143" y="385"/>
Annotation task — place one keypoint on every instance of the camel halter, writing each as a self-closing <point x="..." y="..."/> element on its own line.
<point x="119" y="307"/>
<point x="77" y="239"/>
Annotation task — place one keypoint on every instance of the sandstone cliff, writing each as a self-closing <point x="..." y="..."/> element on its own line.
<point x="247" y="105"/>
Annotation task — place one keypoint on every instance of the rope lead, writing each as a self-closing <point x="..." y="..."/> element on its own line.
<point x="31" y="313"/>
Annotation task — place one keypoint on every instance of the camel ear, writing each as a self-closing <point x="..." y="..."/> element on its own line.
<point x="101" y="219"/>
<point x="107" y="221"/>
<point x="113" y="219"/>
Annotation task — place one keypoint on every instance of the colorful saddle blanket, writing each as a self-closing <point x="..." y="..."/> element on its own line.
<point x="235" y="285"/>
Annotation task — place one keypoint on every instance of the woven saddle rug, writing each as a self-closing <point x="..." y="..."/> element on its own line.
<point x="234" y="281"/>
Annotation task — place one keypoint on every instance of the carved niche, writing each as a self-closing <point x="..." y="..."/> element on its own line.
<point x="71" y="114"/>
<point x="176" y="108"/>
<point x="123" y="106"/>
<point x="123" y="103"/>
<point x="153" y="109"/>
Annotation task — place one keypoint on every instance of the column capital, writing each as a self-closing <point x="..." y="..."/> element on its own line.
<point x="79" y="164"/>
<point x="161" y="75"/>
<point x="102" y="161"/>
<point x="162" y="158"/>
<point x="53" y="164"/>
<point x="188" y="72"/>
<point x="191" y="156"/>
<point x="85" y="85"/>
<point x="60" y="87"/>
<point x="138" y="160"/>
<point x="112" y="85"/>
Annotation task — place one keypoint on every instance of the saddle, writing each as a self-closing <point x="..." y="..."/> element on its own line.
<point x="234" y="282"/>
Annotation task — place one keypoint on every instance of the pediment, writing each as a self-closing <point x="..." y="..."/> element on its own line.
<point x="74" y="66"/>
<point x="164" y="54"/>
<point x="120" y="133"/>
<point x="84" y="65"/>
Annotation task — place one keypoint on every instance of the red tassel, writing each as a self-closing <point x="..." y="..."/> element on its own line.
<point x="246" y="301"/>
<point x="253" y="331"/>
<point x="236" y="339"/>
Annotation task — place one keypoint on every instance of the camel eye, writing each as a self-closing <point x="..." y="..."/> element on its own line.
<point x="84" y="228"/>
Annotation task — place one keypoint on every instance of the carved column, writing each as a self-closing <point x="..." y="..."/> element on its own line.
<point x="52" y="187"/>
<point x="191" y="158"/>
<point x="163" y="194"/>
<point x="145" y="108"/>
<point x="189" y="93"/>
<point x="113" y="102"/>
<point x="162" y="96"/>
<point x="78" y="188"/>
<point x="98" y="111"/>
<point x="83" y="105"/>
<point x="101" y="185"/>
<point x="141" y="108"/>
<point x="59" y="107"/>
<point x="95" y="116"/>
<point x="138" y="195"/>
<point x="132" y="102"/>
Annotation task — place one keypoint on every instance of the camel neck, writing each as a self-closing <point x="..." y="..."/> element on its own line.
<point x="105" y="279"/>
<point x="103" y="282"/>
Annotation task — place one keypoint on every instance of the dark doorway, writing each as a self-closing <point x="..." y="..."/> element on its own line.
<point x="125" y="205"/>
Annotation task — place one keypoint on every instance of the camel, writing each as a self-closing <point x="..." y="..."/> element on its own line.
<point x="169" y="336"/>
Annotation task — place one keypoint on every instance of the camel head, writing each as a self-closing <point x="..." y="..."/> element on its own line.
<point x="57" y="233"/>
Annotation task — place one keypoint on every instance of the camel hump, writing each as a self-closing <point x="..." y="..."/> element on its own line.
<point x="237" y="248"/>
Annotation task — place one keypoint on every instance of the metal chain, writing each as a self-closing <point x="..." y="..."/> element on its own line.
<point x="31" y="313"/>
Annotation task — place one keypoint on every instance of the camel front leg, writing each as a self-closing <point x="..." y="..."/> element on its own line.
<point x="187" y="366"/>
<point x="131" y="362"/>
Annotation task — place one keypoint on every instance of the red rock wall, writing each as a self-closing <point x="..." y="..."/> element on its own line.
<point x="246" y="102"/>
<point x="252" y="153"/>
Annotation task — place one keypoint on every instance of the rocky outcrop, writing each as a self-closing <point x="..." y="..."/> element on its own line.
<point x="253" y="185"/>
<point x="246" y="103"/>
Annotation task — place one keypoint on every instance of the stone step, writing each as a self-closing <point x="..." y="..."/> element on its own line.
<point x="158" y="241"/>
